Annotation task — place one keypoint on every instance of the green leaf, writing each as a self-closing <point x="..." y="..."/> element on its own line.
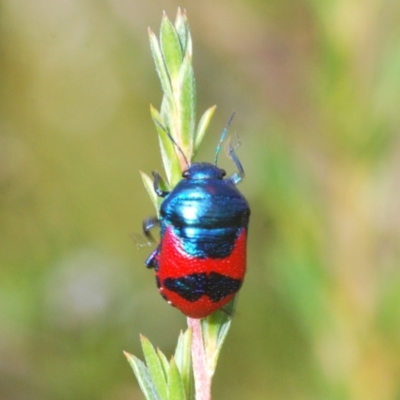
<point x="187" y="106"/>
<point x="148" y="184"/>
<point x="183" y="358"/>
<point x="164" y="109"/>
<point x="160" y="65"/>
<point x="164" y="361"/>
<point x="144" y="378"/>
<point x="154" y="367"/>
<point x="182" y="29"/>
<point x="168" y="149"/>
<point x="202" y="127"/>
<point x="171" y="50"/>
<point x="175" y="385"/>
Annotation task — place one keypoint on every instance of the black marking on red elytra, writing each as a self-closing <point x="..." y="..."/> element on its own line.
<point x="192" y="287"/>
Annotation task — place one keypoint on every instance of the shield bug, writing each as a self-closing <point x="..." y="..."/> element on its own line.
<point x="200" y="261"/>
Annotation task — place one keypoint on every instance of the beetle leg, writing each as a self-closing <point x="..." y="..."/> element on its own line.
<point x="237" y="176"/>
<point x="152" y="260"/>
<point x="156" y="185"/>
<point x="148" y="224"/>
<point x="222" y="138"/>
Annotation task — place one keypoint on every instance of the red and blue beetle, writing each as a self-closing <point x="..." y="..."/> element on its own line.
<point x="200" y="261"/>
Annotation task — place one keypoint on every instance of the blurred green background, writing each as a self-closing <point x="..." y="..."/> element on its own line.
<point x="316" y="89"/>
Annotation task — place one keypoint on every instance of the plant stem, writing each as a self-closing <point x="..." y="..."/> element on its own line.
<point x="202" y="378"/>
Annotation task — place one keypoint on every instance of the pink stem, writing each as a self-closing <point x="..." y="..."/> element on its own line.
<point x="202" y="380"/>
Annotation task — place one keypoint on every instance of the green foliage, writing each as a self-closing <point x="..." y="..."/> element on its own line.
<point x="160" y="379"/>
<point x="173" y="59"/>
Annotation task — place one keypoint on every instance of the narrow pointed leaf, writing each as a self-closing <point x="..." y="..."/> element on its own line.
<point x="154" y="367"/>
<point x="144" y="378"/>
<point x="189" y="43"/>
<point x="202" y="127"/>
<point x="164" y="362"/>
<point x="160" y="64"/>
<point x="187" y="106"/>
<point x="175" y="385"/>
<point x="182" y="29"/>
<point x="168" y="150"/>
<point x="183" y="358"/>
<point x="171" y="49"/>
<point x="164" y="109"/>
<point x="148" y="184"/>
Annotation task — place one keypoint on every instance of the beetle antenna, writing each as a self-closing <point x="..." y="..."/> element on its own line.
<point x="174" y="142"/>
<point x="222" y="138"/>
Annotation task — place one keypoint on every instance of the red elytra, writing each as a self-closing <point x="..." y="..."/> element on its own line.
<point x="173" y="262"/>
